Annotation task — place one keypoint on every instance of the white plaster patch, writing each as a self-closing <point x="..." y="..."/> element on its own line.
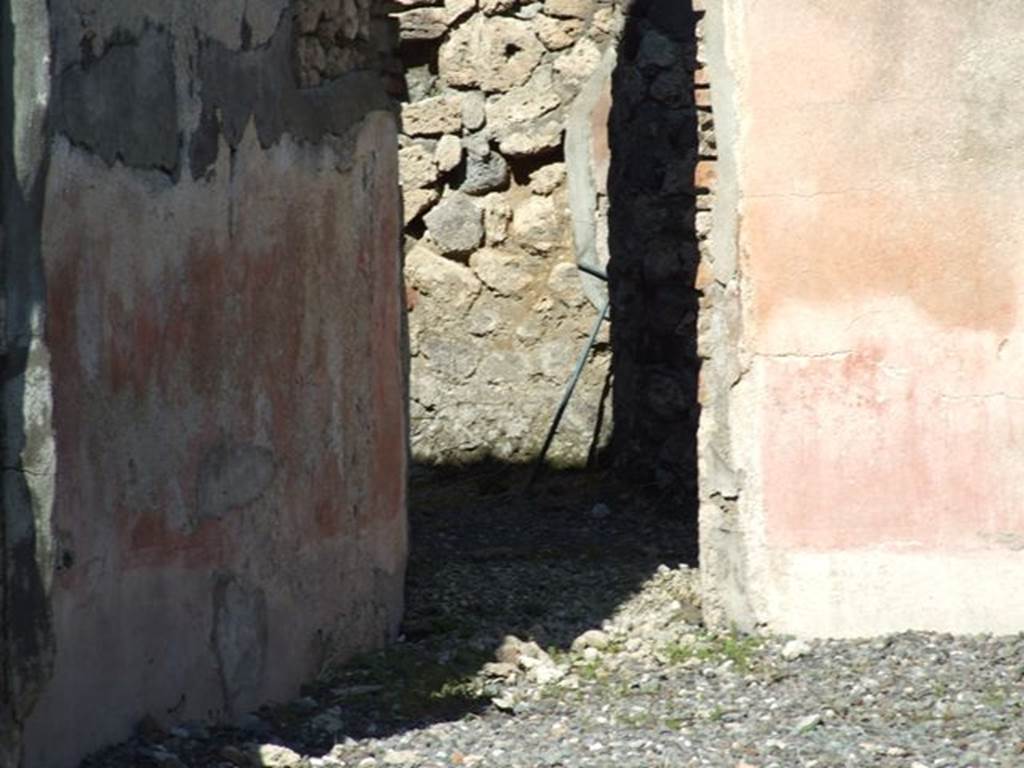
<point x="863" y="593"/>
<point x="163" y="213"/>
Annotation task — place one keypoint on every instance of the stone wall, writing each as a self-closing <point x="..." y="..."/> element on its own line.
<point x="661" y="136"/>
<point x="204" y="422"/>
<point x="497" y="313"/>
<point x="860" y="464"/>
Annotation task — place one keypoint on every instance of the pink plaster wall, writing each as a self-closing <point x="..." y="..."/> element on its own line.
<point x="880" y="161"/>
<point x="882" y="236"/>
<point x="230" y="430"/>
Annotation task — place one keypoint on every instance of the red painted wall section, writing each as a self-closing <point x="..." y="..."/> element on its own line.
<point x="881" y="166"/>
<point x="229" y="417"/>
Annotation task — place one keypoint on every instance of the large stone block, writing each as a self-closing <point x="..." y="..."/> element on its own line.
<point x="418" y="166"/>
<point x="494" y="54"/>
<point x="456" y="225"/>
<point x="433" y="116"/>
<point x="486" y="170"/>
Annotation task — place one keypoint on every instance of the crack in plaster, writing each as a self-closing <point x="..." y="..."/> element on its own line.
<point x="837" y="354"/>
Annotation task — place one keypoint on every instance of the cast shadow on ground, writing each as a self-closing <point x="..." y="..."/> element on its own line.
<point x="492" y="555"/>
<point x="490" y="558"/>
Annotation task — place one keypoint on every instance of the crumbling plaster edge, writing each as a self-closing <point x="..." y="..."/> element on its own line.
<point x="26" y="536"/>
<point x="732" y="562"/>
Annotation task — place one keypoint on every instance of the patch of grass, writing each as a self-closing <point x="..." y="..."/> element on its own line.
<point x="558" y="655"/>
<point x="459" y="689"/>
<point x="739" y="649"/>
<point x="415" y="685"/>
<point x="588" y="670"/>
<point x="988" y="724"/>
<point x="615" y="646"/>
<point x="680" y="653"/>
<point x="994" y="698"/>
<point x="636" y="719"/>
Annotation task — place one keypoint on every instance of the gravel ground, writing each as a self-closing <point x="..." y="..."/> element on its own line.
<point x="561" y="628"/>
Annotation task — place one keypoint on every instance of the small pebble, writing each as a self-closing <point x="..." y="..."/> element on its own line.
<point x="401" y="757"/>
<point x="794" y="649"/>
<point x="807" y="722"/>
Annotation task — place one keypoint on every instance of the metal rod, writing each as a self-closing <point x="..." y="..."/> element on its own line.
<point x="568" y="392"/>
<point x="592" y="271"/>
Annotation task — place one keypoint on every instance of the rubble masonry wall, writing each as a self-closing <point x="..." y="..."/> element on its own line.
<point x="498" y="312"/>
